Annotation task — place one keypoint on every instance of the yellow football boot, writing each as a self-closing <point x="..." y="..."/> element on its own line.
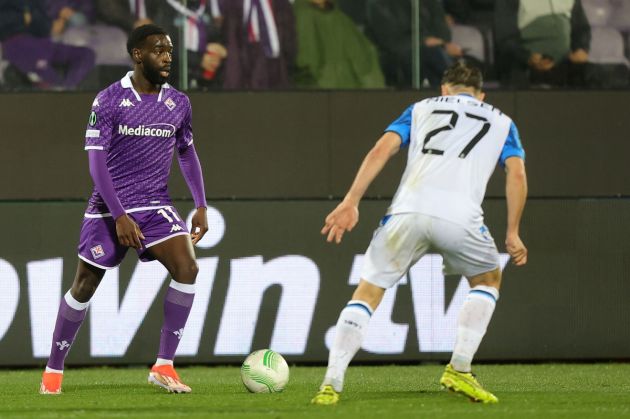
<point x="465" y="383"/>
<point x="326" y="396"/>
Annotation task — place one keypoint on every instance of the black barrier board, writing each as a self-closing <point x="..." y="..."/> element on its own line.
<point x="268" y="279"/>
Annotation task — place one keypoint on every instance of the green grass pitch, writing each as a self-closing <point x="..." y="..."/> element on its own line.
<point x="525" y="391"/>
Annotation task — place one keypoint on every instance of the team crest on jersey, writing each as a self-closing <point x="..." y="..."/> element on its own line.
<point x="126" y="103"/>
<point x="97" y="251"/>
<point x="170" y="104"/>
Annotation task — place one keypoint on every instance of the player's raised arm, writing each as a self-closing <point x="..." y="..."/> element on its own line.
<point x="346" y="215"/>
<point x="516" y="194"/>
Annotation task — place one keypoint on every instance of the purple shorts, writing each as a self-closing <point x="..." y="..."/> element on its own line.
<point x="98" y="242"/>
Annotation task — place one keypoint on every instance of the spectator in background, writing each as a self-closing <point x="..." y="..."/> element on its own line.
<point x="466" y="19"/>
<point x="125" y="14"/>
<point x="260" y="39"/>
<point x="355" y="9"/>
<point x="389" y="23"/>
<point x="437" y="52"/>
<point x="332" y="52"/>
<point x="25" y="33"/>
<point x="74" y="23"/>
<point x="542" y="42"/>
<point x="202" y="39"/>
<point x="478" y="13"/>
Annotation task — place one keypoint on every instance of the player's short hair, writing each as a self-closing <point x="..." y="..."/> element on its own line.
<point x="141" y="33"/>
<point x="463" y="74"/>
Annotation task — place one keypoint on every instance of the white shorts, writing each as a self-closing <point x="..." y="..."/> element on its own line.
<point x="402" y="239"/>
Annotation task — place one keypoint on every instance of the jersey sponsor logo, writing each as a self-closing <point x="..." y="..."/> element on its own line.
<point x="126" y="103"/>
<point x="153" y="130"/>
<point x="92" y="119"/>
<point x="97" y="251"/>
<point x="176" y="227"/>
<point x="170" y="104"/>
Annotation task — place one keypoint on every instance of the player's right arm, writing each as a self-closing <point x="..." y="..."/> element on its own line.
<point x="346" y="215"/>
<point x="127" y="230"/>
<point x="97" y="139"/>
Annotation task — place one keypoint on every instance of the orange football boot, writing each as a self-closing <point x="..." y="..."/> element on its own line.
<point x="165" y="376"/>
<point x="51" y="383"/>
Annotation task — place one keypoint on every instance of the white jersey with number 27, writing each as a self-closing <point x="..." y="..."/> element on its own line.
<point x="454" y="145"/>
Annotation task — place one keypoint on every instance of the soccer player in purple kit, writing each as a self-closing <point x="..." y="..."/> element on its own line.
<point x="132" y="130"/>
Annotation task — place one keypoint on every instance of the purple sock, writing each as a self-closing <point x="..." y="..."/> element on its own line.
<point x="69" y="319"/>
<point x="177" y="304"/>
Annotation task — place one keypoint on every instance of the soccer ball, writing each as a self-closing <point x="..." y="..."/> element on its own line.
<point x="265" y="371"/>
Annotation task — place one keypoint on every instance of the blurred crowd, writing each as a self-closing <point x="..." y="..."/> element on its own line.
<point x="327" y="44"/>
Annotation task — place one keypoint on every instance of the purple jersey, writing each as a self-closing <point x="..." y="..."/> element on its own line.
<point x="139" y="133"/>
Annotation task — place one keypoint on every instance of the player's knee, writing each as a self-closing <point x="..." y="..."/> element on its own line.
<point x="186" y="273"/>
<point x="490" y="279"/>
<point x="194" y="270"/>
<point x="84" y="288"/>
<point x="495" y="279"/>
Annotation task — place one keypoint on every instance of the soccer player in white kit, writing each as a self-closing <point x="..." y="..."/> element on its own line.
<point x="455" y="141"/>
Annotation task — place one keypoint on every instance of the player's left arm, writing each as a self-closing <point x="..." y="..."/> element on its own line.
<point x="516" y="195"/>
<point x="513" y="160"/>
<point x="191" y="169"/>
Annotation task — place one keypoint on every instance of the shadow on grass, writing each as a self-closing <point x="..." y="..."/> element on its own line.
<point x="105" y="409"/>
<point x="75" y="389"/>
<point x="400" y="394"/>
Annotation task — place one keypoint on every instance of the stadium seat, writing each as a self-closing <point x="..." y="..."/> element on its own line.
<point x="108" y="42"/>
<point x="598" y="12"/>
<point x="620" y="16"/>
<point x="471" y="41"/>
<point x="607" y="47"/>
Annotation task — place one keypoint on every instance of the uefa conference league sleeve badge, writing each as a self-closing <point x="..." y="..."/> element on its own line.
<point x="92" y="119"/>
